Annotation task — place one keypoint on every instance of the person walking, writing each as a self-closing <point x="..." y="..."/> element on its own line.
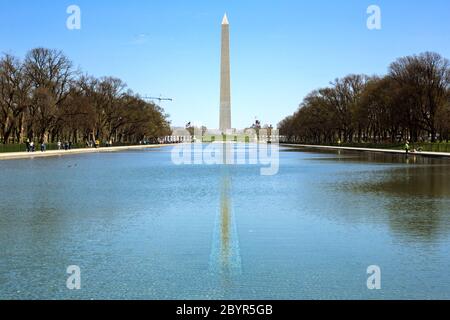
<point x="407" y="147"/>
<point x="43" y="147"/>
<point x="59" y="145"/>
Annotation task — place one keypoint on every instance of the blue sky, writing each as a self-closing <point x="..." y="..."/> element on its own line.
<point x="280" y="49"/>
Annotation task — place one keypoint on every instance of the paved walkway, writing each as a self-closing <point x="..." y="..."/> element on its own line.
<point x="429" y="154"/>
<point x="57" y="153"/>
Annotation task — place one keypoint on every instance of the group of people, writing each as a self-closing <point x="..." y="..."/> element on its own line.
<point x="31" y="147"/>
<point x="93" y="144"/>
<point x="67" y="145"/>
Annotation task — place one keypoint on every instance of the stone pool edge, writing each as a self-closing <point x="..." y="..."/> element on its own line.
<point x="58" y="153"/>
<point x="391" y="151"/>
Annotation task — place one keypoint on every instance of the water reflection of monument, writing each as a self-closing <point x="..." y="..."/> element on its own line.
<point x="225" y="256"/>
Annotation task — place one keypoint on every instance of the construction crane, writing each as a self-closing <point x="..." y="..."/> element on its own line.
<point x="160" y="99"/>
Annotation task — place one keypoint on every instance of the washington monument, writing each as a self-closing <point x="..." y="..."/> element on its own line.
<point x="225" y="79"/>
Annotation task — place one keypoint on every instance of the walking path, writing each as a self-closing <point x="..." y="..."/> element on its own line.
<point x="424" y="153"/>
<point x="56" y="153"/>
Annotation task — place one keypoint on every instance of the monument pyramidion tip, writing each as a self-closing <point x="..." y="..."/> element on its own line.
<point x="225" y="19"/>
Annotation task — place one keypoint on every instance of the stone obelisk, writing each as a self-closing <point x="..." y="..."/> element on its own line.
<point x="225" y="79"/>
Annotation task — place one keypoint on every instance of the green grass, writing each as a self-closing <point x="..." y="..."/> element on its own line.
<point x="235" y="138"/>
<point x="427" y="147"/>
<point x="12" y="148"/>
<point x="53" y="146"/>
<point x="50" y="146"/>
<point x="22" y="147"/>
<point x="434" y="147"/>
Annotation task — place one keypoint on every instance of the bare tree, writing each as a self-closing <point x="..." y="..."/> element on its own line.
<point x="426" y="78"/>
<point x="411" y="102"/>
<point x="46" y="99"/>
<point x="14" y="95"/>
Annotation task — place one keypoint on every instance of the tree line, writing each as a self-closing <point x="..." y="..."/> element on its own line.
<point x="411" y="102"/>
<point x="44" y="98"/>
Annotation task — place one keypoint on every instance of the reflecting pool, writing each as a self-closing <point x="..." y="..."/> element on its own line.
<point x="141" y="227"/>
